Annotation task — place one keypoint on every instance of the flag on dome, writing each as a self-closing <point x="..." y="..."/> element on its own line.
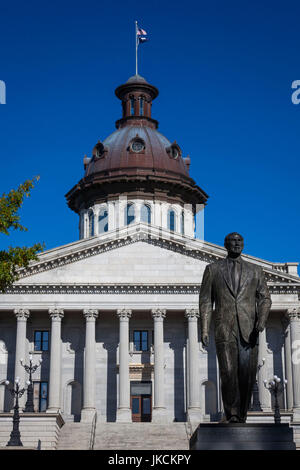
<point x="141" y="35"/>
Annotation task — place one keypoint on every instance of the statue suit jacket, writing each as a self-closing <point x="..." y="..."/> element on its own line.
<point x="251" y="303"/>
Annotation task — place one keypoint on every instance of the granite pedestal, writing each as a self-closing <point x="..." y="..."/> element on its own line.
<point x="242" y="436"/>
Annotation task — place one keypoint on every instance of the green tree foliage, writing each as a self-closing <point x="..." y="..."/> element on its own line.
<point x="15" y="257"/>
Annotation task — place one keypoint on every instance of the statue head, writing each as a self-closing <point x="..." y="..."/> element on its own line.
<point x="234" y="244"/>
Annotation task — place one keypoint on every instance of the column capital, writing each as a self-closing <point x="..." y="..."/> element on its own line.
<point x="191" y="313"/>
<point x="124" y="313"/>
<point x="293" y="313"/>
<point x="90" y="313"/>
<point x="56" y="313"/>
<point x="21" y="313"/>
<point x="158" y="313"/>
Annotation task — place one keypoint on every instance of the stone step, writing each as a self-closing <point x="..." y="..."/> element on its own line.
<point x="130" y="436"/>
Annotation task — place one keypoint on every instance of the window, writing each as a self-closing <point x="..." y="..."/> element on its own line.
<point x="171" y="220"/>
<point x="91" y="224"/>
<point x="141" y="106"/>
<point x="140" y="340"/>
<point x="146" y="214"/>
<point x="129" y="214"/>
<point x="40" y="396"/>
<point x="137" y="145"/>
<point x="41" y="340"/>
<point x="132" y="106"/>
<point x="103" y="220"/>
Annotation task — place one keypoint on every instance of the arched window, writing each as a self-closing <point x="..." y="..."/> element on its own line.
<point x="91" y="224"/>
<point x="129" y="214"/>
<point x="103" y="220"/>
<point x="146" y="214"/>
<point x="142" y="100"/>
<point x="182" y="223"/>
<point x="171" y="220"/>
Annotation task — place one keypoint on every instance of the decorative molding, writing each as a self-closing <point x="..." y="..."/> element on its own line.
<point x="293" y="313"/>
<point x="192" y="313"/>
<point x="124" y="313"/>
<point x="158" y="313"/>
<point x="90" y="314"/>
<point x="116" y="289"/>
<point x="56" y="314"/>
<point x="21" y="313"/>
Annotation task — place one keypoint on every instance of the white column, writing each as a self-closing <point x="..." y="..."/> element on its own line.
<point x="89" y="381"/>
<point x="124" y="411"/>
<point x="294" y="315"/>
<point x="288" y="361"/>
<point x="159" y="410"/>
<point x="22" y="315"/>
<point x="96" y="220"/>
<point x="194" y="407"/>
<point x="263" y="393"/>
<point x="111" y="215"/>
<point x="54" y="403"/>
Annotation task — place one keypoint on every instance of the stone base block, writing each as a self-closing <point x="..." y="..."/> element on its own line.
<point x="195" y="415"/>
<point x="38" y="430"/>
<point x="240" y="436"/>
<point x="124" y="415"/>
<point x="87" y="415"/>
<point x="159" y="416"/>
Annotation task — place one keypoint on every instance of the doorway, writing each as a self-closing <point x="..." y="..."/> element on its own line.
<point x="141" y="401"/>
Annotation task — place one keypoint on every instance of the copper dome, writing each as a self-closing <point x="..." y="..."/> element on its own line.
<point x="136" y="159"/>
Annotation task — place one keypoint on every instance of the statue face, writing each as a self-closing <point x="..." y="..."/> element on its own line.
<point x="234" y="245"/>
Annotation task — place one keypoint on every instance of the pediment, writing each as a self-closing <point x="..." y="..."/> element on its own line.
<point x="134" y="257"/>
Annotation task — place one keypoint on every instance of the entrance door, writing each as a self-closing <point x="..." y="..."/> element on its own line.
<point x="141" y="408"/>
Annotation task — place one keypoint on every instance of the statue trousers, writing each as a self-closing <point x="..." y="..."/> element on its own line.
<point x="238" y="367"/>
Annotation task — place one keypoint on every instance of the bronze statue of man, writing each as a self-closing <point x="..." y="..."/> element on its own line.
<point x="235" y="293"/>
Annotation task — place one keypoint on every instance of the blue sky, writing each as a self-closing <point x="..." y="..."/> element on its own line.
<point x="224" y="71"/>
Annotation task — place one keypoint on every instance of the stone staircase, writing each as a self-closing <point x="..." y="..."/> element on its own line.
<point x="130" y="436"/>
<point x="74" y="436"/>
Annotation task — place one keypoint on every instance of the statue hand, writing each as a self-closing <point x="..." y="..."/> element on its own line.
<point x="259" y="327"/>
<point x="205" y="339"/>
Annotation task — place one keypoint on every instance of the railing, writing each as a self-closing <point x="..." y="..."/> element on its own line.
<point x="93" y="432"/>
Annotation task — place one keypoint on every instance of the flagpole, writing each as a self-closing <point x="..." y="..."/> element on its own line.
<point x="136" y="49"/>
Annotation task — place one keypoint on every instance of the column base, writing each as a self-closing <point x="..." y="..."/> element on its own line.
<point x="159" y="415"/>
<point x="296" y="414"/>
<point x="87" y="415"/>
<point x="124" y="415"/>
<point x="195" y="415"/>
<point x="53" y="409"/>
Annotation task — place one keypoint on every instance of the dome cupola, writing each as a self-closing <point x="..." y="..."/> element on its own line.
<point x="136" y="161"/>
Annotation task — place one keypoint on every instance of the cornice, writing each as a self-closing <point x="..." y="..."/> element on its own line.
<point x="121" y="289"/>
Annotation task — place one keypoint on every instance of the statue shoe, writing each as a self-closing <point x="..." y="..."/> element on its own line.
<point x="234" y="419"/>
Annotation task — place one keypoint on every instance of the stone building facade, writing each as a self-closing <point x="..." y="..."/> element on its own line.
<point x="114" y="315"/>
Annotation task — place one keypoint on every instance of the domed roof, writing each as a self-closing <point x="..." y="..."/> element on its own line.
<point x="136" y="159"/>
<point x="136" y="79"/>
<point x="154" y="153"/>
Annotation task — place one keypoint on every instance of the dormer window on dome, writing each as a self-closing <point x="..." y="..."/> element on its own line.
<point x="174" y="151"/>
<point x="98" y="150"/>
<point x="137" y="145"/>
